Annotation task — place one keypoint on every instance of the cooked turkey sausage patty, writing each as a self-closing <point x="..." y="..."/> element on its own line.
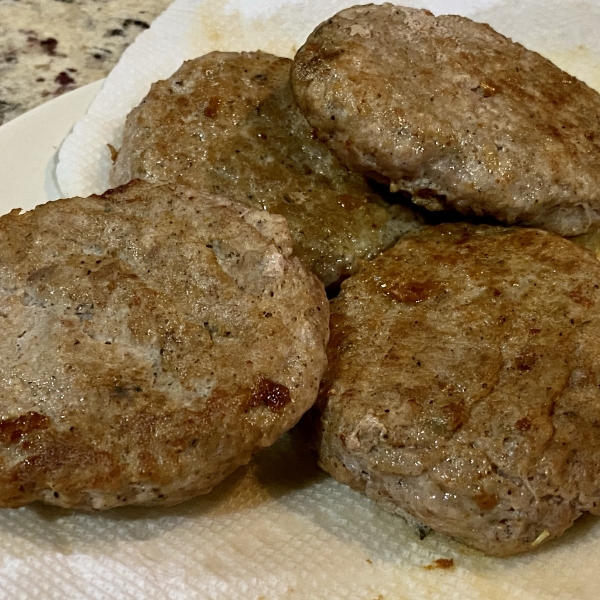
<point x="464" y="384"/>
<point x="227" y="123"/>
<point x="454" y="113"/>
<point x="153" y="339"/>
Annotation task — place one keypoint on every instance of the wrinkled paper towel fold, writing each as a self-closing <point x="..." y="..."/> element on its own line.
<point x="279" y="528"/>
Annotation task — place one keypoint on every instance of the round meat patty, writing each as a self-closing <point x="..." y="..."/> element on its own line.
<point x="153" y="339"/>
<point x="227" y="123"/>
<point x="454" y="113"/>
<point x="464" y="384"/>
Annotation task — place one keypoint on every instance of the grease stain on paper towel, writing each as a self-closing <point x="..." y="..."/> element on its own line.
<point x="232" y="31"/>
<point x="575" y="60"/>
<point x="281" y="30"/>
<point x="574" y="45"/>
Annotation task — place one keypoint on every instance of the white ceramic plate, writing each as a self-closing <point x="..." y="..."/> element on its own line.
<point x="29" y="145"/>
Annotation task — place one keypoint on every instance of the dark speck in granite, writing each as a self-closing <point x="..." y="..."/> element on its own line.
<point x="44" y="43"/>
<point x="102" y="54"/>
<point x="136" y="22"/>
<point x="63" y="78"/>
<point x="49" y="46"/>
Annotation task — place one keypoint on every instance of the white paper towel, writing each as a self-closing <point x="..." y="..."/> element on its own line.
<point x="279" y="529"/>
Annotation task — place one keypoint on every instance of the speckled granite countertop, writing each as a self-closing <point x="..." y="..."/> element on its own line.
<point x="49" y="47"/>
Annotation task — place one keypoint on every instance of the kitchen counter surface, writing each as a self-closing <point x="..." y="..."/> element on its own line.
<point x="49" y="47"/>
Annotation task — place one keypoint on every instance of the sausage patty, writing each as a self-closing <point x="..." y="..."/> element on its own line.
<point x="227" y="123"/>
<point x="153" y="339"/>
<point x="454" y="113"/>
<point x="464" y="384"/>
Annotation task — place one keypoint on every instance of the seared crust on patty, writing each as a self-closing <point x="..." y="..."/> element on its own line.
<point x="153" y="339"/>
<point x="464" y="384"/>
<point x="454" y="113"/>
<point x="227" y="123"/>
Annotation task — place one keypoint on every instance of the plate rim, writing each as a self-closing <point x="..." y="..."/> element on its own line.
<point x="29" y="146"/>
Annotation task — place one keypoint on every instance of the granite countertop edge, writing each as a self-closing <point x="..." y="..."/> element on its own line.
<point x="50" y="47"/>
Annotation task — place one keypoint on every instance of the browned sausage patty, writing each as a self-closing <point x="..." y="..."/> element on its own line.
<point x="454" y="113"/>
<point x="153" y="339"/>
<point x="227" y="123"/>
<point x="464" y="384"/>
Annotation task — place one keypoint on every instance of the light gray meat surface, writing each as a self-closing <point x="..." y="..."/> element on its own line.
<point x="463" y="387"/>
<point x="153" y="339"/>
<point x="454" y="113"/>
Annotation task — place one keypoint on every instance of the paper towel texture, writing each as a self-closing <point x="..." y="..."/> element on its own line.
<point x="280" y="528"/>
